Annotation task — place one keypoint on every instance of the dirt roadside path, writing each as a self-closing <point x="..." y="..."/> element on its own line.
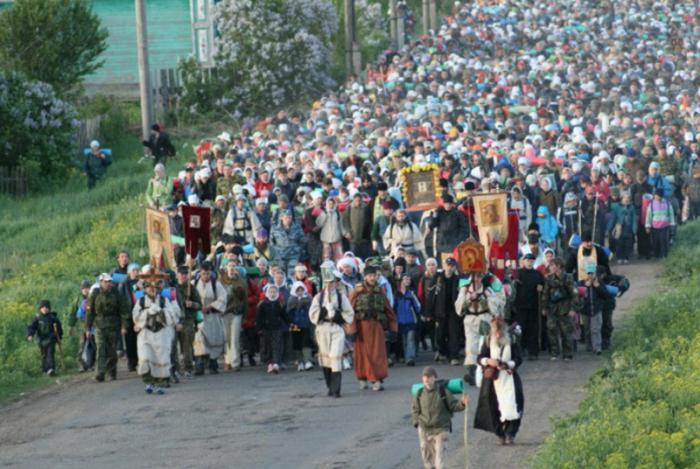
<point x="250" y="419"/>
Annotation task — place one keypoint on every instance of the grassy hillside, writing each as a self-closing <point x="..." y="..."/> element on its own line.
<point x="51" y="242"/>
<point x="643" y="408"/>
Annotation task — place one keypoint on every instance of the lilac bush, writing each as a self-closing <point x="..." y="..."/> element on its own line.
<point x="269" y="53"/>
<point x="37" y="129"/>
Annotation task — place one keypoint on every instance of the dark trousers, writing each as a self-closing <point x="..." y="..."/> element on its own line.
<point x="271" y="346"/>
<point x="508" y="428"/>
<point x="643" y="243"/>
<point x="448" y="335"/>
<point x="426" y="330"/>
<point x="132" y="355"/>
<point x="623" y="246"/>
<point x="201" y="363"/>
<point x="659" y="241"/>
<point x="250" y="342"/>
<point x="530" y="321"/>
<point x="47" y="356"/>
<point x="606" y="331"/>
<point x="455" y="335"/>
<point x="333" y="379"/>
<point x="361" y="249"/>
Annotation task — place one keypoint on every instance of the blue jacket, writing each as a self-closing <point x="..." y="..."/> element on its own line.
<point x="548" y="225"/>
<point x="287" y="243"/>
<point x="407" y="308"/>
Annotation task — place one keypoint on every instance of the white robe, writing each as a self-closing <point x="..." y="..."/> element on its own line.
<point x="330" y="336"/>
<point x="504" y="385"/>
<point x="154" y="347"/>
<point x="210" y="338"/>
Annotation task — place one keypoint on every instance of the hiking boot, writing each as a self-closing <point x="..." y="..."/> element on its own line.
<point x="251" y="360"/>
<point x="227" y="367"/>
<point x="509" y="440"/>
<point x="377" y="386"/>
<point x="100" y="378"/>
<point x="113" y="376"/>
<point x="363" y="384"/>
<point x="410" y="363"/>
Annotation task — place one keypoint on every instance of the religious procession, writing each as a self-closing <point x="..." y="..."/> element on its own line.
<point x="466" y="202"/>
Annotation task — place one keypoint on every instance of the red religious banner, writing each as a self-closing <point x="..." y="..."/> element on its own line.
<point x="197" y="224"/>
<point x="470" y="256"/>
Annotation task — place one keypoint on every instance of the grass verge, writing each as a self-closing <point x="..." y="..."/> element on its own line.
<point x="643" y="408"/>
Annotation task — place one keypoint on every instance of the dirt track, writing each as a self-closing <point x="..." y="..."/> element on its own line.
<point x="251" y="420"/>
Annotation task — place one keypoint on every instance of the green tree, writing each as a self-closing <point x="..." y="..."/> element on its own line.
<point x="54" y="41"/>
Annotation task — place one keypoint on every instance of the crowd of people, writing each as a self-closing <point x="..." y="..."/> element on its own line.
<point x="585" y="113"/>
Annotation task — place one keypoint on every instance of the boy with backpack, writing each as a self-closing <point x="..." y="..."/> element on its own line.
<point x="47" y="328"/>
<point x="432" y="409"/>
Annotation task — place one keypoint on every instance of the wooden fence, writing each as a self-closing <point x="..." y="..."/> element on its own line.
<point x="13" y="181"/>
<point x="87" y="131"/>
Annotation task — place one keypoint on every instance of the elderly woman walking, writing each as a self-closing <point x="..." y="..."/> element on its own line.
<point x="501" y="400"/>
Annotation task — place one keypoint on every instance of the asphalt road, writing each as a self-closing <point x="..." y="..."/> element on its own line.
<point x="253" y="420"/>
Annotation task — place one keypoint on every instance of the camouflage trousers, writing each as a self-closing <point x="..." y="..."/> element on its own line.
<point x="560" y="327"/>
<point x="106" y="345"/>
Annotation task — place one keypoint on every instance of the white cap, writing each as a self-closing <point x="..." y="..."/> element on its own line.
<point x="104" y="277"/>
<point x="94" y="144"/>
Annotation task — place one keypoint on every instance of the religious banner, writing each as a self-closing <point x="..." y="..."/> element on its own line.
<point x="159" y="242"/>
<point x="197" y="225"/>
<point x="491" y="215"/>
<point x="470" y="256"/>
<point x="421" y="187"/>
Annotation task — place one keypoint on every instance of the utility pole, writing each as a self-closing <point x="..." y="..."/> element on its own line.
<point x="393" y="26"/>
<point x="432" y="6"/>
<point x="144" y="71"/>
<point x="353" y="58"/>
<point x="401" y="25"/>
<point x="426" y="17"/>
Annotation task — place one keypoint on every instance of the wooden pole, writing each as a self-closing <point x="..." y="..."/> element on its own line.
<point x="393" y="27"/>
<point x="349" y="9"/>
<point x="426" y="17"/>
<point x="400" y="26"/>
<point x="144" y="73"/>
<point x="433" y="15"/>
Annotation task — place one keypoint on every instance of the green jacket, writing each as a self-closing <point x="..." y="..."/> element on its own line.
<point x="108" y="310"/>
<point x="430" y="412"/>
<point x="159" y="192"/>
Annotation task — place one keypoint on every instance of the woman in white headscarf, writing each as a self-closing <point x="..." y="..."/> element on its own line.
<point x="330" y="312"/>
<point x="501" y="400"/>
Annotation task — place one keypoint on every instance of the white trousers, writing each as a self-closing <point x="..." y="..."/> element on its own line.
<point x="471" y="337"/>
<point x="232" y="334"/>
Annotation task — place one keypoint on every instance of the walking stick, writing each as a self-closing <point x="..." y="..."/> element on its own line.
<point x="466" y="432"/>
<point x="60" y="347"/>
